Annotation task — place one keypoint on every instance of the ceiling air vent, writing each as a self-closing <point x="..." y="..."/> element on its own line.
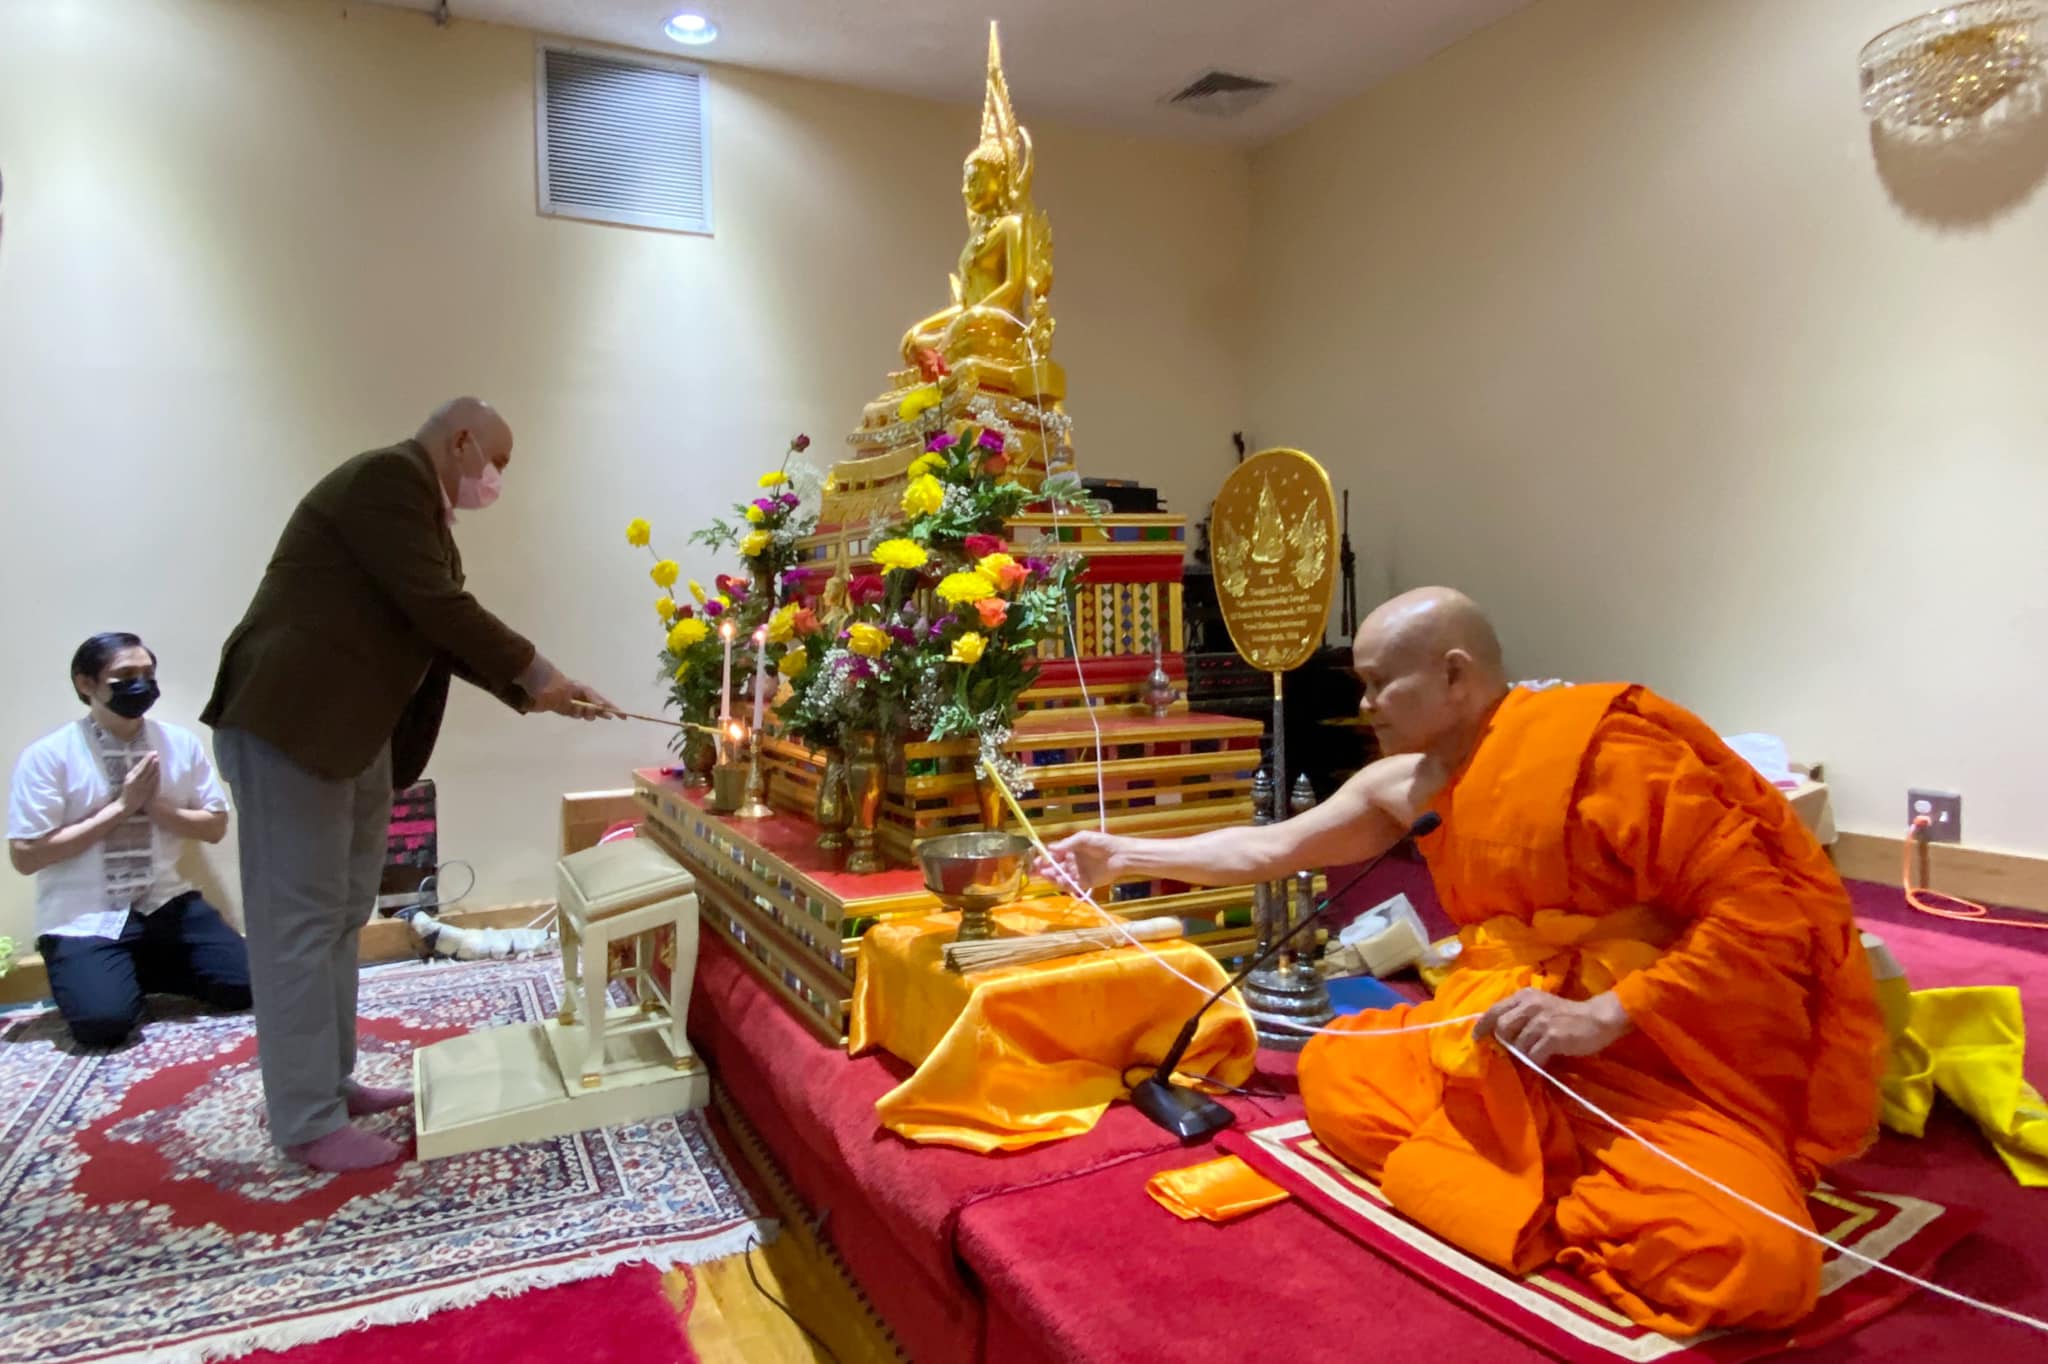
<point x="1221" y="94"/>
<point x="623" y="140"/>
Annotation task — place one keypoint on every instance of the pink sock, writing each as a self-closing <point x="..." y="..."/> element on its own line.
<point x="347" y="1148"/>
<point x="363" y="1100"/>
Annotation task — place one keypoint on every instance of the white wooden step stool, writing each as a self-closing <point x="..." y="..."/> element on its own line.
<point x="625" y="891"/>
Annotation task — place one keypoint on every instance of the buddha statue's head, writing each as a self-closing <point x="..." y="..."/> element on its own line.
<point x="985" y="180"/>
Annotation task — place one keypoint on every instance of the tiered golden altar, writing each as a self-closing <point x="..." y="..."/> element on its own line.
<point x="1099" y="746"/>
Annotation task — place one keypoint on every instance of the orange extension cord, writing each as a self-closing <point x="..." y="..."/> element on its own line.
<point x="1920" y="898"/>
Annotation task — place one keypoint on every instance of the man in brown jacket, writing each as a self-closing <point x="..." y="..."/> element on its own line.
<point x="329" y="696"/>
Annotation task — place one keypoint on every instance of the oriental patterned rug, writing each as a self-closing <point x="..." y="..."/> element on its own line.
<point x="1560" y="1313"/>
<point x="144" y="1214"/>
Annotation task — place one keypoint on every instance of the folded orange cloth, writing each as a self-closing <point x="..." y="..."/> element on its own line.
<point x="1219" y="1190"/>
<point x="1011" y="1057"/>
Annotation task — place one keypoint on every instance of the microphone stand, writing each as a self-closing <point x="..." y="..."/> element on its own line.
<point x="1187" y="1112"/>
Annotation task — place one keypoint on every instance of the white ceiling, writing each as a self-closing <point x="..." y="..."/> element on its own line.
<point x="1099" y="63"/>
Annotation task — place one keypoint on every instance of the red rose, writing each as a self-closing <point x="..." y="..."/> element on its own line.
<point x="866" y="589"/>
<point x="979" y="547"/>
<point x="995" y="464"/>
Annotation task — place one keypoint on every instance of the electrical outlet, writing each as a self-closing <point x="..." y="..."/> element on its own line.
<point x="1943" y="811"/>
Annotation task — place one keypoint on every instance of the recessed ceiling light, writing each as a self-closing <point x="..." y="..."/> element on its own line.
<point x="693" y="29"/>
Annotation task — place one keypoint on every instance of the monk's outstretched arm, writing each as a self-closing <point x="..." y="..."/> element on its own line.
<point x="1365" y="817"/>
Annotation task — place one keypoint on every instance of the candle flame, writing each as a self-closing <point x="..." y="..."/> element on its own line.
<point x="725" y="630"/>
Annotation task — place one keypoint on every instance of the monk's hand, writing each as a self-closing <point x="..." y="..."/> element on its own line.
<point x="1082" y="860"/>
<point x="1543" y="1026"/>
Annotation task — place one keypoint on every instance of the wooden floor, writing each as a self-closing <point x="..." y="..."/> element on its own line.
<point x="732" y="1321"/>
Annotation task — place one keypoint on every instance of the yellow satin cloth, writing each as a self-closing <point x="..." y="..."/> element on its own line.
<point x="1019" y="1055"/>
<point x="1219" y="1190"/>
<point x="1969" y="1043"/>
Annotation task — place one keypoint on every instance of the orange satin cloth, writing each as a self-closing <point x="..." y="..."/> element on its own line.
<point x="1757" y="1046"/>
<point x="1019" y="1055"/>
<point x="1219" y="1190"/>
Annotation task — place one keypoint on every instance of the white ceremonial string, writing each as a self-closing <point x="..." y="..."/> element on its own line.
<point x="1115" y="922"/>
<point x="1618" y="1125"/>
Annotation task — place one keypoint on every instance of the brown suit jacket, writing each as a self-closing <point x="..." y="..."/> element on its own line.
<point x="359" y="622"/>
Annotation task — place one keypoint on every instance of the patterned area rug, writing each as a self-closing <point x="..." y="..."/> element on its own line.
<point x="1554" y="1309"/>
<point x="144" y="1213"/>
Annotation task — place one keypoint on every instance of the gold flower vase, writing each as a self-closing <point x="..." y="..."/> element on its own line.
<point x="865" y="764"/>
<point x="989" y="797"/>
<point x="700" y="755"/>
<point x="830" y="812"/>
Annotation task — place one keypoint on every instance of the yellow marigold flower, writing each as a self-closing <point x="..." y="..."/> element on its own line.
<point x="794" y="662"/>
<point x="901" y="554"/>
<point x="962" y="589"/>
<point x="684" y="633"/>
<point x="697" y="591"/>
<point x="724" y="602"/>
<point x="755" y="516"/>
<point x="967" y="649"/>
<point x="782" y="624"/>
<point x="774" y="478"/>
<point x="665" y="573"/>
<point x="991" y="566"/>
<point x="928" y="463"/>
<point x="924" y="496"/>
<point x="756" y="544"/>
<point x="867" y="640"/>
<point x="667" y="607"/>
<point x="638" y="533"/>
<point x="918" y="402"/>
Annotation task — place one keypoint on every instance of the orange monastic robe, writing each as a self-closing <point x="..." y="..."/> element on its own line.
<point x="1602" y="838"/>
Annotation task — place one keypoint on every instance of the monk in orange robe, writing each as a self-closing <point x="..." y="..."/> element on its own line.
<point x="1642" y="915"/>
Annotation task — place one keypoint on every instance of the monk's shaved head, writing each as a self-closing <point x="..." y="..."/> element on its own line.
<point x="1432" y="670"/>
<point x="1435" y="621"/>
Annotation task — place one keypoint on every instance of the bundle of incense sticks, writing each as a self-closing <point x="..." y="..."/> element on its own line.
<point x="1065" y="942"/>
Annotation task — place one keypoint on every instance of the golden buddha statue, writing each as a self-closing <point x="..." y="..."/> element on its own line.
<point x="1000" y="312"/>
<point x="989" y="354"/>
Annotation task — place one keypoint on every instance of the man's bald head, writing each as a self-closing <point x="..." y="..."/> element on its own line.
<point x="462" y="437"/>
<point x="1432" y="670"/>
<point x="471" y="417"/>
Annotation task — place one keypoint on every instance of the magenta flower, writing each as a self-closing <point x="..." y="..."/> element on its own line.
<point x="767" y="505"/>
<point x="902" y="634"/>
<point x="801" y="443"/>
<point x="942" y="441"/>
<point x="943" y="624"/>
<point x="713" y="609"/>
<point x="991" y="441"/>
<point x="1037" y="567"/>
<point x="789" y="501"/>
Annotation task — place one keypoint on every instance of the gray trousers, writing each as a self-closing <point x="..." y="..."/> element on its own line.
<point x="312" y="856"/>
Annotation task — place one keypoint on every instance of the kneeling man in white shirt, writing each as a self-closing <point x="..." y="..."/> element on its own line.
<point x="99" y="814"/>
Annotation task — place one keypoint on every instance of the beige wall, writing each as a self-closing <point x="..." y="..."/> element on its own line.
<point x="247" y="238"/>
<point x="1611" y="316"/>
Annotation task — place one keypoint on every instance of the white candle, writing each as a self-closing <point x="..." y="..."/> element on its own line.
<point x="725" y="687"/>
<point x="760" y="676"/>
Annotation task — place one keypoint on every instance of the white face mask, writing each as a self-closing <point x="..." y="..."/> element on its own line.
<point x="474" y="492"/>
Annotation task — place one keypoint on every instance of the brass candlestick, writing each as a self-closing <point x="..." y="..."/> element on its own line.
<point x="756" y="806"/>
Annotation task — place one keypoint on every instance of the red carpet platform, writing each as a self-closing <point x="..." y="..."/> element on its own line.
<point x="1057" y="1253"/>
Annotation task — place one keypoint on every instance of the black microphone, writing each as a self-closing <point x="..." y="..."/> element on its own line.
<point x="1190" y="1114"/>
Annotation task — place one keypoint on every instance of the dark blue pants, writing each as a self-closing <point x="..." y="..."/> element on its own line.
<point x="185" y="948"/>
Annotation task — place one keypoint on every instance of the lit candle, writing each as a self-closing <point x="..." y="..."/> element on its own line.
<point x="760" y="676"/>
<point x="734" y="736"/>
<point x="725" y="687"/>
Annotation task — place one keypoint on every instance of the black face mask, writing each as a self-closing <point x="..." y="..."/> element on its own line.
<point x="131" y="697"/>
